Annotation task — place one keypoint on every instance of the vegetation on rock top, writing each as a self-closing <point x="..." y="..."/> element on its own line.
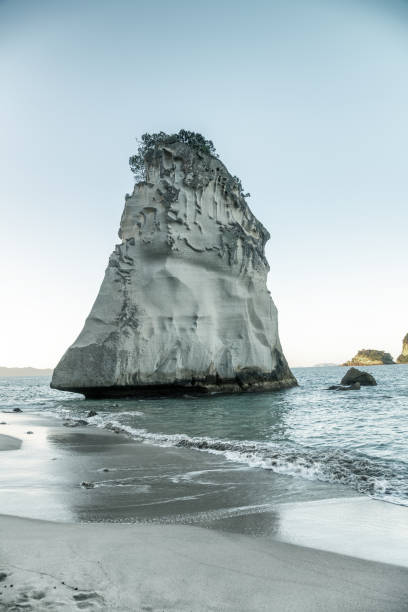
<point x="370" y="357"/>
<point x="149" y="143"/>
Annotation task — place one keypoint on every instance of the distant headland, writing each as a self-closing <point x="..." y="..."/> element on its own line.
<point x="25" y="371"/>
<point x="366" y="357"/>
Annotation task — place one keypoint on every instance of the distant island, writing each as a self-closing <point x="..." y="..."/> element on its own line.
<point x="25" y="371"/>
<point x="325" y="365"/>
<point x="403" y="358"/>
<point x="366" y="357"/>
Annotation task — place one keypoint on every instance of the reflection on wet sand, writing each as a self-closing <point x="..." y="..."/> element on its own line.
<point x="91" y="474"/>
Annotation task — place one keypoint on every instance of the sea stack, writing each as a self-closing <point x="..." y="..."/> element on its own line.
<point x="403" y="358"/>
<point x="366" y="357"/>
<point x="183" y="306"/>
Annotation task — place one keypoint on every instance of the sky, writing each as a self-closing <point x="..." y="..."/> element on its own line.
<point x="306" y="101"/>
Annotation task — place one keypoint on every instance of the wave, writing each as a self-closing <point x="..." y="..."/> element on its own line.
<point x="377" y="478"/>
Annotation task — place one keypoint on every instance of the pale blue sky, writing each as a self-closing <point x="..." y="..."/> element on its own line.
<point x="306" y="101"/>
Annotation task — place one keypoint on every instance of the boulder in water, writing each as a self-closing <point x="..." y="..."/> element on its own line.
<point x="353" y="375"/>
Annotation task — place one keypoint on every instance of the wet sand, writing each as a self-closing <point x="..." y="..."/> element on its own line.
<point x="168" y="565"/>
<point x="142" y="482"/>
<point x="8" y="443"/>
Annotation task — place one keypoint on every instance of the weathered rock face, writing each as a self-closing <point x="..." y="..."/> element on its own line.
<point x="367" y="357"/>
<point x="403" y="358"/>
<point x="184" y="303"/>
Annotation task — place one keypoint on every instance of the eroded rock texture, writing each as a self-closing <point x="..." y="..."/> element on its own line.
<point x="184" y="304"/>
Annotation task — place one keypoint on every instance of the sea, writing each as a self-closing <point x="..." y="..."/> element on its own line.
<point x="340" y="442"/>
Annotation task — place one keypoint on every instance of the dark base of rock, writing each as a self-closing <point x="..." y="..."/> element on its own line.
<point x="354" y="387"/>
<point x="180" y="389"/>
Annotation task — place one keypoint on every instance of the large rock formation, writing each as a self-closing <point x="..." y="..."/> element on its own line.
<point x="184" y="304"/>
<point x="403" y="358"/>
<point x="367" y="357"/>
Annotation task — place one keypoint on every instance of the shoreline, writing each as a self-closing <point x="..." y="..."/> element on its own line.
<point x="92" y="474"/>
<point x="129" y="542"/>
<point x="131" y="481"/>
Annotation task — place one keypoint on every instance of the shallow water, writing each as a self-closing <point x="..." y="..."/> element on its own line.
<point x="357" y="441"/>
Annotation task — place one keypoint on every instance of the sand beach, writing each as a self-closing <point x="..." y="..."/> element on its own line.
<point x="100" y="555"/>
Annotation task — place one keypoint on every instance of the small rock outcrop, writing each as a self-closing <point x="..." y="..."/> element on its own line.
<point x="75" y="423"/>
<point x="353" y="376"/>
<point x="403" y="358"/>
<point x="354" y="387"/>
<point x="184" y="304"/>
<point x="367" y="357"/>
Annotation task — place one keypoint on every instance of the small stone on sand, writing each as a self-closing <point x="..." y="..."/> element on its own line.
<point x="87" y="485"/>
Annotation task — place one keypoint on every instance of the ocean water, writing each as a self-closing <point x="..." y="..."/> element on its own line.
<point x="356" y="440"/>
